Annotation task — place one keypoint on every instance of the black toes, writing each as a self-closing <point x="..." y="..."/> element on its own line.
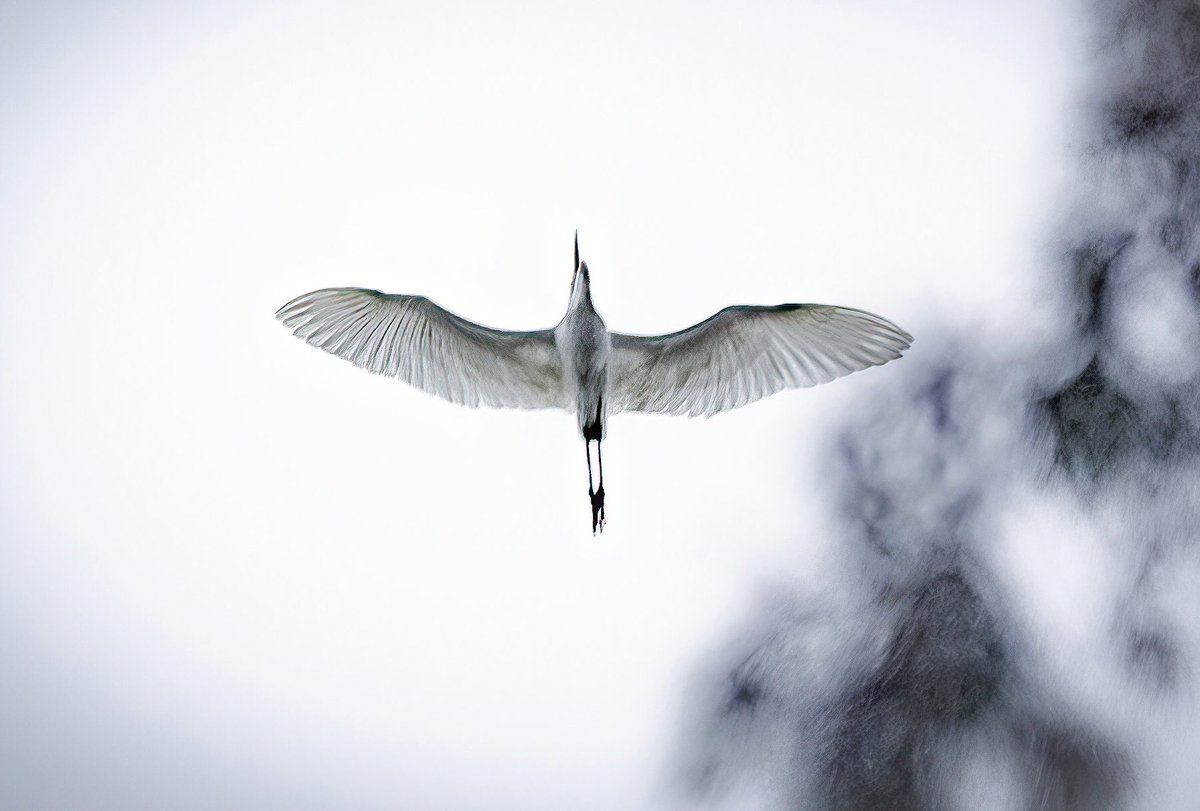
<point x="597" y="509"/>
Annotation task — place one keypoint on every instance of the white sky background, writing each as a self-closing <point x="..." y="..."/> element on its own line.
<point x="234" y="569"/>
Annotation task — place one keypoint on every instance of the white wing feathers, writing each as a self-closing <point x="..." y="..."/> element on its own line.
<point x="412" y="338"/>
<point x="744" y="353"/>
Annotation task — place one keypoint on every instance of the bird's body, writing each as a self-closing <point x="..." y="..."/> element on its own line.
<point x="739" y="355"/>
<point x="585" y="346"/>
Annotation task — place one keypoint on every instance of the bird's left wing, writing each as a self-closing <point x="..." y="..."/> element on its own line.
<point x="431" y="348"/>
<point x="745" y="353"/>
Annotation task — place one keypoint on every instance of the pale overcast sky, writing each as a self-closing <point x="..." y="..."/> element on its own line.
<point x="238" y="573"/>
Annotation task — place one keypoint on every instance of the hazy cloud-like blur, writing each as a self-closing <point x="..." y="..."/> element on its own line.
<point x="1015" y="626"/>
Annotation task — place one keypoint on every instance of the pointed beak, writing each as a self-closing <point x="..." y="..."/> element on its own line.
<point x="575" y="269"/>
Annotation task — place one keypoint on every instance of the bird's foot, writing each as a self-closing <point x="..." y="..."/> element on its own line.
<point x="597" y="498"/>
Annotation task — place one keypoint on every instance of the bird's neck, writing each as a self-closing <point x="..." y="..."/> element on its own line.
<point x="581" y="294"/>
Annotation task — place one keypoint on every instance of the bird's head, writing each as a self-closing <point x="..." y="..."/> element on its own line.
<point x="580" y="272"/>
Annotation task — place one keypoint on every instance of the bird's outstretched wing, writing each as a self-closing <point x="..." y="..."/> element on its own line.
<point x="745" y="353"/>
<point x="412" y="338"/>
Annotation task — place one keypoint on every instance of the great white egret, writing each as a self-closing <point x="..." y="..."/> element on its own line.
<point x="739" y="355"/>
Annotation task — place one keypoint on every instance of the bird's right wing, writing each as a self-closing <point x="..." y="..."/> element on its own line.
<point x="745" y="353"/>
<point x="412" y="338"/>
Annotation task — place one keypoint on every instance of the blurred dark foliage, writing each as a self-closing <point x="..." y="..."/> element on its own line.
<point x="917" y="683"/>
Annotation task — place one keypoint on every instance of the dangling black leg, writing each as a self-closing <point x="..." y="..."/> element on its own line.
<point x="587" y="451"/>
<point x="598" y="499"/>
<point x="594" y="432"/>
<point x="597" y="495"/>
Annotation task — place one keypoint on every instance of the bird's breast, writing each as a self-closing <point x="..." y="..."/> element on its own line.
<point x="585" y="345"/>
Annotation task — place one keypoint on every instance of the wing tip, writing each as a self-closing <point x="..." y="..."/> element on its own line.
<point x="291" y="313"/>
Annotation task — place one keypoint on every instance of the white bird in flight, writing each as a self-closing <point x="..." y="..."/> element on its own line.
<point x="741" y="354"/>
